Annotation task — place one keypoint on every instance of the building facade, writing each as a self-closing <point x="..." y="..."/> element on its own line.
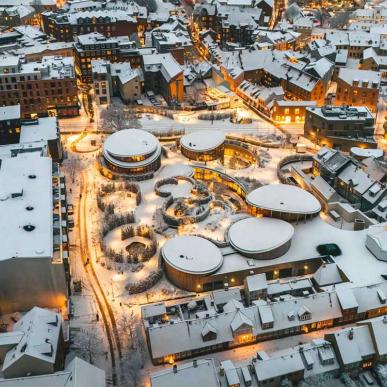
<point x="340" y="127"/>
<point x="41" y="88"/>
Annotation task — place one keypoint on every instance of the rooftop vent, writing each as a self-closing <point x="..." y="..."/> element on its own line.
<point x="32" y="176"/>
<point x="29" y="227"/>
<point x="29" y="208"/>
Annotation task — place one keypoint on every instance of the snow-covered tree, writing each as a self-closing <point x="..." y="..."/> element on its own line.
<point x="118" y="117"/>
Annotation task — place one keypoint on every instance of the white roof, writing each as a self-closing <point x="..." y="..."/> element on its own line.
<point x="192" y="254"/>
<point x="10" y="112"/>
<point x="360" y="152"/>
<point x="41" y="330"/>
<point x="77" y="374"/>
<point x="284" y="198"/>
<point x="165" y="63"/>
<point x="350" y="75"/>
<point x="378" y="233"/>
<point x="203" y="141"/>
<point x="203" y="374"/>
<point x="352" y="350"/>
<point x="33" y="180"/>
<point x="346" y="298"/>
<point x="44" y="128"/>
<point x="279" y="366"/>
<point x="254" y="235"/>
<point x="130" y="142"/>
<point x="327" y="274"/>
<point x="256" y="282"/>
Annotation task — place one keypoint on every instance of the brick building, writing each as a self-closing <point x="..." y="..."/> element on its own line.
<point x="358" y="88"/>
<point x="41" y="88"/>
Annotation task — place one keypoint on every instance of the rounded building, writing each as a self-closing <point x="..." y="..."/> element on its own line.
<point x="376" y="241"/>
<point x="132" y="152"/>
<point x="203" y="146"/>
<point x="188" y="259"/>
<point x="283" y="201"/>
<point x="261" y="238"/>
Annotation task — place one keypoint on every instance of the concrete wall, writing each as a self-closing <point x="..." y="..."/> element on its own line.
<point x="349" y="214"/>
<point x="29" y="282"/>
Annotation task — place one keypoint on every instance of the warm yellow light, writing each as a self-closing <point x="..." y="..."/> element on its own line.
<point x="306" y="267"/>
<point x="275" y="272"/>
<point x="232" y="280"/>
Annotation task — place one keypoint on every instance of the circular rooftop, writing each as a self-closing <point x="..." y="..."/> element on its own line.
<point x="252" y="236"/>
<point x="203" y="141"/>
<point x="284" y="198"/>
<point x="192" y="254"/>
<point x="130" y="143"/>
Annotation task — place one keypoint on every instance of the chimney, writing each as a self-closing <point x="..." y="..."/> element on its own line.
<point x="175" y="368"/>
<point x="195" y="363"/>
<point x="350" y="334"/>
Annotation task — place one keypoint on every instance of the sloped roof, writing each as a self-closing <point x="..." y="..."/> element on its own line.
<point x="240" y="320"/>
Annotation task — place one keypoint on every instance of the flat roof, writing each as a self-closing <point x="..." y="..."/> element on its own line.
<point x="203" y="373"/>
<point x="255" y="235"/>
<point x="192" y="254"/>
<point x="44" y="128"/>
<point x="131" y="142"/>
<point x="361" y="152"/>
<point x="203" y="141"/>
<point x="10" y="112"/>
<point x="26" y="181"/>
<point x="284" y="198"/>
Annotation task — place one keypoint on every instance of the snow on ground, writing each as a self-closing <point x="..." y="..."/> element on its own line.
<point x="153" y="122"/>
<point x="356" y="261"/>
<point x="180" y="190"/>
<point x="85" y="144"/>
<point x="123" y="201"/>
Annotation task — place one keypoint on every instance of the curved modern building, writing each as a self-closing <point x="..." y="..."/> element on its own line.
<point x="188" y="259"/>
<point x="132" y="152"/>
<point x="283" y="201"/>
<point x="376" y="241"/>
<point x="261" y="238"/>
<point x="203" y="146"/>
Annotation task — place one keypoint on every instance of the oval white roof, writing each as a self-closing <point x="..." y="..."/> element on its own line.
<point x="192" y="254"/>
<point x="130" y="142"/>
<point x="255" y="235"/>
<point x="203" y="141"/>
<point x="284" y="198"/>
<point x="360" y="152"/>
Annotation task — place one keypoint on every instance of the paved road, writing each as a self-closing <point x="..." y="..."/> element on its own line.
<point x="102" y="302"/>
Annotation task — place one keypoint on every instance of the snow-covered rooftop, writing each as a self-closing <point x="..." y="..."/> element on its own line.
<point x="41" y="331"/>
<point x="364" y="153"/>
<point x="131" y="142"/>
<point x="202" y="373"/>
<point x="192" y="254"/>
<point x="10" y="112"/>
<point x="254" y="235"/>
<point x="78" y="373"/>
<point x="26" y="216"/>
<point x="44" y="128"/>
<point x="284" y="198"/>
<point x="203" y="141"/>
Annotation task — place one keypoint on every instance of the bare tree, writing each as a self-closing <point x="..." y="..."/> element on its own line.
<point x="132" y="339"/>
<point x="88" y="345"/>
<point x="132" y="368"/>
<point x="117" y="117"/>
<point x="127" y="327"/>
